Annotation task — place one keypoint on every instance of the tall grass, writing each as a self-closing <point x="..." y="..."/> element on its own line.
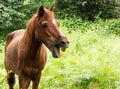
<point x="90" y="62"/>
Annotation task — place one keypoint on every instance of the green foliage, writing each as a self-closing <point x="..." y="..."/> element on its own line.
<point x="77" y="24"/>
<point x="14" y="14"/>
<point x="113" y="26"/>
<point x="90" y="62"/>
<point x="88" y="9"/>
<point x="9" y="14"/>
<point x="45" y="3"/>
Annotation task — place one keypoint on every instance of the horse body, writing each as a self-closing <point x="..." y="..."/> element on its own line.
<point x="12" y="47"/>
<point x="25" y="51"/>
<point x="11" y="53"/>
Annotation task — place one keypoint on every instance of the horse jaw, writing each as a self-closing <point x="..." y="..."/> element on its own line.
<point x="56" y="52"/>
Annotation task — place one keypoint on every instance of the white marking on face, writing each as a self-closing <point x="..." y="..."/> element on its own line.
<point x="54" y="22"/>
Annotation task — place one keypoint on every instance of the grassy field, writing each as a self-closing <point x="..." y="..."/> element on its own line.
<point x="91" y="62"/>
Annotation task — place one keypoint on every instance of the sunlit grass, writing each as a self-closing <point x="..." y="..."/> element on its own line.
<point x="90" y="62"/>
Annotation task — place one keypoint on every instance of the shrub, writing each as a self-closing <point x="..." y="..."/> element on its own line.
<point x="111" y="26"/>
<point x="14" y="14"/>
<point x="87" y="9"/>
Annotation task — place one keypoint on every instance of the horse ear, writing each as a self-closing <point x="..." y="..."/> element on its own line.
<point x="41" y="11"/>
<point x="52" y="8"/>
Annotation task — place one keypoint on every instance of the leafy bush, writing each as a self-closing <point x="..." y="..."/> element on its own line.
<point x="14" y="14"/>
<point x="111" y="26"/>
<point x="9" y="15"/>
<point x="88" y="9"/>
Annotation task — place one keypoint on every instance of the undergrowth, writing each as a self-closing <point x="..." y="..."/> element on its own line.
<point x="74" y="24"/>
<point x="90" y="62"/>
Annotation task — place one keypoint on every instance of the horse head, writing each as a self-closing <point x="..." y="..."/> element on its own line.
<point x="47" y="31"/>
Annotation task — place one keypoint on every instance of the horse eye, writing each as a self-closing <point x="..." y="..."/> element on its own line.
<point x="45" y="25"/>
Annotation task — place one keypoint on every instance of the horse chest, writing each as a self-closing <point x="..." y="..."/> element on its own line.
<point x="32" y="63"/>
<point x="32" y="68"/>
<point x="30" y="71"/>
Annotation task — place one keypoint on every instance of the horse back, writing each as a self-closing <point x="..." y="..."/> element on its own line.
<point x="12" y="35"/>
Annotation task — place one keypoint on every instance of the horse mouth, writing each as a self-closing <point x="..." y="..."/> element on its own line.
<point x="56" y="51"/>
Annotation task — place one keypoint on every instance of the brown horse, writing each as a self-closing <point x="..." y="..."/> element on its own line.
<point x="25" y="51"/>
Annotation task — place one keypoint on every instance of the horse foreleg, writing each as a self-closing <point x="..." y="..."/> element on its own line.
<point x="36" y="81"/>
<point x="23" y="82"/>
<point x="11" y="79"/>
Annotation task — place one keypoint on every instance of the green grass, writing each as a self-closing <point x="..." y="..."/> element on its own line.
<point x="90" y="62"/>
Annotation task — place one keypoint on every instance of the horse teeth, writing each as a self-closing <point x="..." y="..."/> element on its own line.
<point x="63" y="49"/>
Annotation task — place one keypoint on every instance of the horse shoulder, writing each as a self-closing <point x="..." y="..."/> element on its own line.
<point x="42" y="56"/>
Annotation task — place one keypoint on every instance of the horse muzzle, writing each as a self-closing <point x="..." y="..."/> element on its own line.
<point x="63" y="44"/>
<point x="60" y="45"/>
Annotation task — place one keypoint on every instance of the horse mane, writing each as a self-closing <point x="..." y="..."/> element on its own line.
<point x="27" y="40"/>
<point x="29" y="31"/>
<point x="31" y="22"/>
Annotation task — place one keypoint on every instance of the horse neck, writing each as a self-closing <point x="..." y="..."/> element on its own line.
<point x="30" y="42"/>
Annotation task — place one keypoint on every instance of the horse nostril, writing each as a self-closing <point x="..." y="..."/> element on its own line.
<point x="62" y="43"/>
